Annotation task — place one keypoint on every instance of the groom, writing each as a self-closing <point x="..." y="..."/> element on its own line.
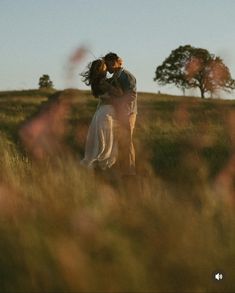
<point x="126" y="109"/>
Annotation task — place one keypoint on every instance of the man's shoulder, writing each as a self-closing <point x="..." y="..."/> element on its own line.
<point x="127" y="73"/>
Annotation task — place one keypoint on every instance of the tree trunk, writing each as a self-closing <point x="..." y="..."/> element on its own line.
<point x="202" y="92"/>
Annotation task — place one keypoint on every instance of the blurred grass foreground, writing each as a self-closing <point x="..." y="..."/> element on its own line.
<point x="66" y="229"/>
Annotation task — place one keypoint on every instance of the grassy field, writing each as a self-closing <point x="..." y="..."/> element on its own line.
<point x="67" y="229"/>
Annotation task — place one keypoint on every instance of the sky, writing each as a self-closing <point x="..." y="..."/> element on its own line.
<point x="38" y="37"/>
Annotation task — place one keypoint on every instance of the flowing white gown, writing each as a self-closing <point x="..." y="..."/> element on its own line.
<point x="101" y="144"/>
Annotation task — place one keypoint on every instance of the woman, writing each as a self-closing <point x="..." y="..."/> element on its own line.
<point x="101" y="144"/>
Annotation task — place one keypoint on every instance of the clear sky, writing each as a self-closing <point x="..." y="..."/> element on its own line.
<point x="38" y="36"/>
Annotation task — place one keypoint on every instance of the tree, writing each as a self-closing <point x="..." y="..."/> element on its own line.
<point x="189" y="67"/>
<point x="45" y="82"/>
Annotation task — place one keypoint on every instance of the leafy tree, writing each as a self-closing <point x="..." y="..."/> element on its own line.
<point x="45" y="82"/>
<point x="189" y="67"/>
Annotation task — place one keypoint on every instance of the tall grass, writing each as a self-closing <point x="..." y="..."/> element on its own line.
<point x="66" y="229"/>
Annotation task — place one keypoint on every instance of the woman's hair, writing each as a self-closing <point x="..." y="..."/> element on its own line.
<point x="94" y="71"/>
<point x="94" y="74"/>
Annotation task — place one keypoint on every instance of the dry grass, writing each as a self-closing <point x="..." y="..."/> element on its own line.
<point x="66" y="229"/>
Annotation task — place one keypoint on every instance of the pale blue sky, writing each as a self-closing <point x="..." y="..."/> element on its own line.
<point x="38" y="37"/>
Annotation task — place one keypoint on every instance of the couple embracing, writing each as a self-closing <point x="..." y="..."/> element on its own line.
<point x="109" y="139"/>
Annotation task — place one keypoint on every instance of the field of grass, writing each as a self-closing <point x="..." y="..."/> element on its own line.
<point x="67" y="229"/>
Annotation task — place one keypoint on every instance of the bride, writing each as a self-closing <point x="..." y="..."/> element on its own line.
<point x="101" y="144"/>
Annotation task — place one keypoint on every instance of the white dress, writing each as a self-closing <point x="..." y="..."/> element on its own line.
<point x="101" y="143"/>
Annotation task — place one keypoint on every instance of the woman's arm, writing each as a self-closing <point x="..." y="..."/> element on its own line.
<point x="112" y="90"/>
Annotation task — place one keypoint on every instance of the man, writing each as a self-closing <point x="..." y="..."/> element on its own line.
<point x="126" y="109"/>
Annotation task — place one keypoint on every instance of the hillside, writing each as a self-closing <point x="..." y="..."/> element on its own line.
<point x="164" y="123"/>
<point x="67" y="229"/>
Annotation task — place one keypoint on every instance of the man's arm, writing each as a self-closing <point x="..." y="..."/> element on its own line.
<point x="128" y="84"/>
<point x="111" y="90"/>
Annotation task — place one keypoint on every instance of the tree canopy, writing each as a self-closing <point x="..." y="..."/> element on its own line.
<point x="45" y="82"/>
<point x="190" y="67"/>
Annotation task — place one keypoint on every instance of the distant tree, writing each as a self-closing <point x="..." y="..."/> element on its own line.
<point x="45" y="82"/>
<point x="189" y="67"/>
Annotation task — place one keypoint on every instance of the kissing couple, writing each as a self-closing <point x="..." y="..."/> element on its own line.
<point x="109" y="140"/>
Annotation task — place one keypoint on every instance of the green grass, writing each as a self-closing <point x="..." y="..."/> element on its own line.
<point x="67" y="229"/>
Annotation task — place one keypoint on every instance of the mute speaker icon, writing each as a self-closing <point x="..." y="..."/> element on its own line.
<point x="218" y="276"/>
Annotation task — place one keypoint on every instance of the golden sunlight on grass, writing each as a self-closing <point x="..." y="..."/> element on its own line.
<point x="67" y="229"/>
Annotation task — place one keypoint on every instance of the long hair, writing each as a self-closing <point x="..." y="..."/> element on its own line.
<point x="93" y="75"/>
